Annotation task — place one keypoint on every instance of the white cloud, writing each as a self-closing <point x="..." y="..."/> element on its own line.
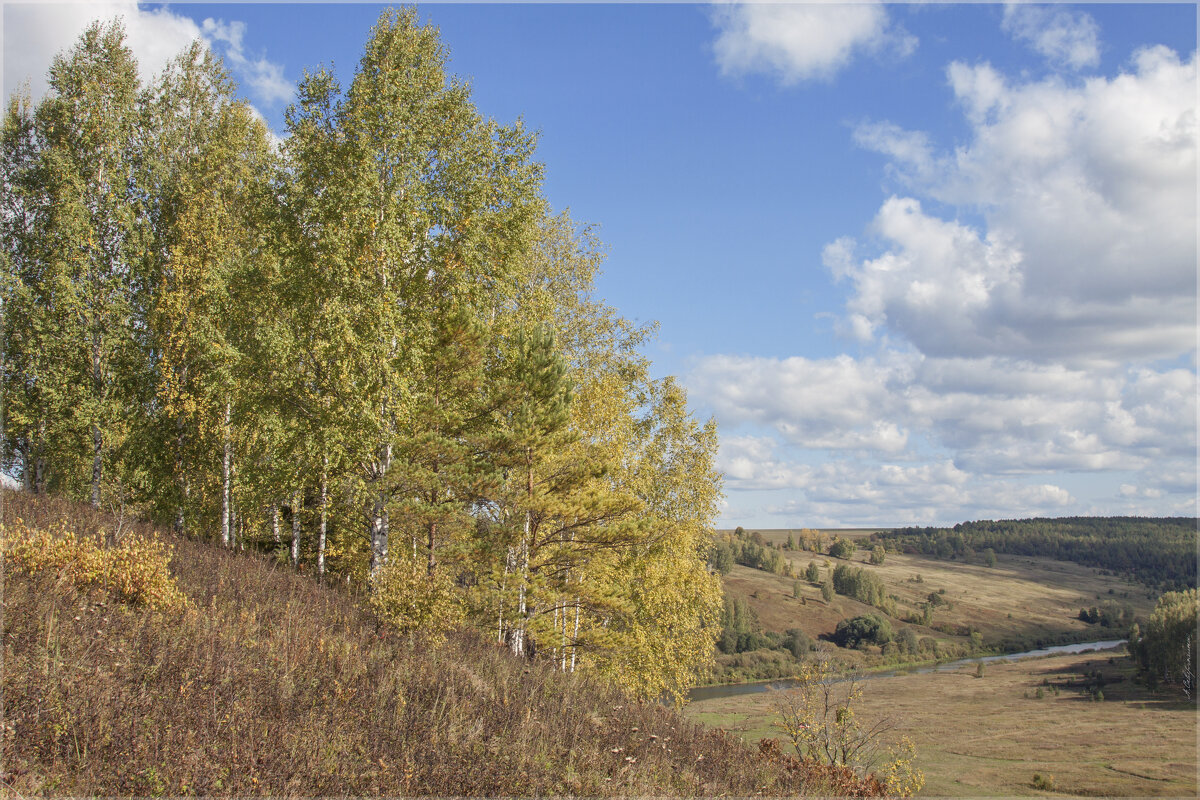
<point x="264" y="77"/>
<point x="799" y="42"/>
<point x="939" y="493"/>
<point x="1088" y="196"/>
<point x="988" y="418"/>
<point x="34" y="33"/>
<point x="832" y="403"/>
<point x="1019" y="294"/>
<point x="1066" y="38"/>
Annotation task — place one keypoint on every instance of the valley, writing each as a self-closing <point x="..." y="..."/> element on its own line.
<point x="989" y="735"/>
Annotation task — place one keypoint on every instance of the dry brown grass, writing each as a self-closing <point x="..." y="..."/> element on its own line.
<point x="980" y="736"/>
<point x="272" y="685"/>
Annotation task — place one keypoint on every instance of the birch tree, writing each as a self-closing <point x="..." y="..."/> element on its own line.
<point x="75" y="222"/>
<point x="208" y="170"/>
<point x="403" y="201"/>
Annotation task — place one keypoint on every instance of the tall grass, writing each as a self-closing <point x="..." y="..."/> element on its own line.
<point x="267" y="683"/>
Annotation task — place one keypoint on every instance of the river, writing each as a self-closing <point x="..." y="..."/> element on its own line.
<point x="732" y="690"/>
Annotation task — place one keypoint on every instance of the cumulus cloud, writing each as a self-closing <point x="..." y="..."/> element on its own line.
<point x="1065" y="37"/>
<point x="940" y="437"/>
<point x="1088" y="195"/>
<point x="1018" y="295"/>
<point x="826" y="403"/>
<point x="799" y="42"/>
<point x="854" y="493"/>
<point x="35" y="32"/>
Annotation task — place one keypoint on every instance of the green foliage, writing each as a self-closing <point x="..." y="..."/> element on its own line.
<point x="812" y="573"/>
<point x="858" y="631"/>
<point x="1110" y="614"/>
<point x="1168" y="648"/>
<point x="878" y="555"/>
<point x="862" y="586"/>
<point x="842" y="548"/>
<point x="749" y="550"/>
<point x="827" y="590"/>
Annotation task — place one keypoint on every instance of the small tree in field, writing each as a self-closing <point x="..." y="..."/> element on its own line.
<point x="813" y="573"/>
<point x="819" y="716"/>
<point x="842" y="548"/>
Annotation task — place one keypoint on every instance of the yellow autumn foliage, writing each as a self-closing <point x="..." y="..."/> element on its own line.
<point x="135" y="572"/>
<point x="416" y="602"/>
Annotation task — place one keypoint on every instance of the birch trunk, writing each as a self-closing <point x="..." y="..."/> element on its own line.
<point x="575" y="635"/>
<point x="97" y="436"/>
<point x="226" y="478"/>
<point x="377" y="516"/>
<point x="297" y="502"/>
<point x="378" y="531"/>
<point x="324" y="517"/>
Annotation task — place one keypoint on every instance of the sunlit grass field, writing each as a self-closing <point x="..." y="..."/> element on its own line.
<point x="989" y="735"/>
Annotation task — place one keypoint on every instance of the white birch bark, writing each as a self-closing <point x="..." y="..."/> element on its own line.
<point x="226" y="478"/>
<point x="324" y="516"/>
<point x="297" y="501"/>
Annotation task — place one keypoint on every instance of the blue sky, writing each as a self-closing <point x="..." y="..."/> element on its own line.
<point x="924" y="263"/>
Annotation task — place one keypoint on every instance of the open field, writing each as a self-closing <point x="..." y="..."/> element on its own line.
<point x="987" y="736"/>
<point x="1017" y="602"/>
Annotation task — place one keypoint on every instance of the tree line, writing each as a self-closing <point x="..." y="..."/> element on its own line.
<point x="371" y="348"/>
<point x="1157" y="552"/>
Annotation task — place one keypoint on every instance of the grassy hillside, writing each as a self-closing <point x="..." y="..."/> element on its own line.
<point x="270" y="684"/>
<point x="1019" y="603"/>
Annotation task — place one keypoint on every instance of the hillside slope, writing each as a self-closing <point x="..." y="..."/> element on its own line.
<point x="272" y="684"/>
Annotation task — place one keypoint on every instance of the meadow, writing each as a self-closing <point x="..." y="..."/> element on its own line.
<point x="989" y="735"/>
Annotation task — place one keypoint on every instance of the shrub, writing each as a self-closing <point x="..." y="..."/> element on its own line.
<point x="414" y="601"/>
<point x="135" y="572"/>
<point x="1043" y="782"/>
<point x="867" y="629"/>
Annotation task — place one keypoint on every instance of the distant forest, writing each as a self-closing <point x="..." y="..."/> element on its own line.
<point x="1157" y="552"/>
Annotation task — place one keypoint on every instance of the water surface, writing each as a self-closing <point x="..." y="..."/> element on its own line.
<point x="732" y="690"/>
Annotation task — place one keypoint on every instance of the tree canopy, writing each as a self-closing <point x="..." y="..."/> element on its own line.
<point x="377" y="333"/>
